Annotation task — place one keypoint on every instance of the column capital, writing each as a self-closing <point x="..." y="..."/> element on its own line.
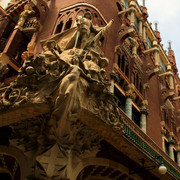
<point x="132" y="3"/>
<point x="130" y="91"/>
<point x="132" y="9"/>
<point x="169" y="67"/>
<point x="172" y="142"/>
<point x="144" y="24"/>
<point x="144" y="104"/>
<point x="144" y="111"/>
<point x="141" y="19"/>
<point x="114" y="76"/>
<point x="143" y="107"/>
<point x="155" y="42"/>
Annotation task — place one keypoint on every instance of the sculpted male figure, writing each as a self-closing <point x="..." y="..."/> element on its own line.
<point x="85" y="27"/>
<point x="24" y="15"/>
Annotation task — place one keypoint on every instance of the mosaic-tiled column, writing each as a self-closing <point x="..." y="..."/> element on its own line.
<point x="143" y="120"/>
<point x="171" y="76"/>
<point x="144" y="32"/>
<point x="178" y="153"/>
<point x="141" y="27"/>
<point x="114" y="78"/>
<point x="130" y="95"/>
<point x="171" y="146"/>
<point x="132" y="5"/>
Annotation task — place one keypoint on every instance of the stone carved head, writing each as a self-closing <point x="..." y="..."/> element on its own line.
<point x="88" y="15"/>
<point x="28" y="7"/>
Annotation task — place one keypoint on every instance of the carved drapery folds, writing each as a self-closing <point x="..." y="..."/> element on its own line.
<point x="68" y="80"/>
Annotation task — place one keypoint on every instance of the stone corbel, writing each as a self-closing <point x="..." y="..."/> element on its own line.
<point x="176" y="98"/>
<point x="155" y="50"/>
<point x="166" y="73"/>
<point x="151" y="50"/>
<point x="166" y="94"/>
<point x="135" y="45"/>
<point x="125" y="32"/>
<point x="118" y="49"/>
<point x="126" y="11"/>
<point x="151" y="71"/>
<point x="170" y="74"/>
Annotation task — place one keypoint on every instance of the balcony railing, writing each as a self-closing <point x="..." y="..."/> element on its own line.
<point x="134" y="133"/>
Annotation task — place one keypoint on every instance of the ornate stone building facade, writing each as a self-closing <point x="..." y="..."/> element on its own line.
<point x="87" y="92"/>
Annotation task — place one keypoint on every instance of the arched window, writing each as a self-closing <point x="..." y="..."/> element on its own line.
<point x="166" y="118"/>
<point x="123" y="63"/>
<point x="137" y="81"/>
<point x="59" y="27"/>
<point x="101" y="41"/>
<point x="68" y="24"/>
<point x="127" y="71"/>
<point x="5" y="176"/>
<point x="119" y="61"/>
<point x="140" y="87"/>
<point x="133" y="77"/>
<point x="118" y="6"/>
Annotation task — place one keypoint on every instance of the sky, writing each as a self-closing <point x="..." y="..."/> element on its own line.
<point x="167" y="13"/>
